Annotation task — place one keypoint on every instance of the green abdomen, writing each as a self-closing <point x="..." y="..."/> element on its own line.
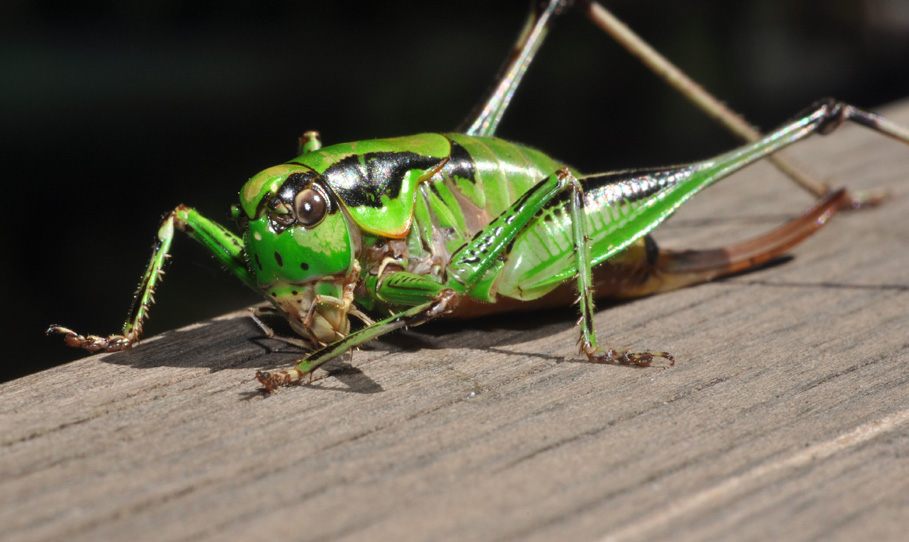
<point x="481" y="180"/>
<point x="543" y="254"/>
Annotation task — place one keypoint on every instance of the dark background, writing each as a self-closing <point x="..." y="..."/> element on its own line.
<point x="113" y="112"/>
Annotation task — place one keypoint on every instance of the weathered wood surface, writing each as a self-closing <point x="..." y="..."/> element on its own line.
<point x="787" y="415"/>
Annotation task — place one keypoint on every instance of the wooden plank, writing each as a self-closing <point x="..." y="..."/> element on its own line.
<point x="785" y="417"/>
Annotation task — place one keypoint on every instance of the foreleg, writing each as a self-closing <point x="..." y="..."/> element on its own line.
<point x="223" y="245"/>
<point x="442" y="300"/>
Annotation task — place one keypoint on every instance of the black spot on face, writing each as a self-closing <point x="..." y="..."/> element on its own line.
<point x="279" y="259"/>
<point x="259" y="262"/>
<point x="304" y="266"/>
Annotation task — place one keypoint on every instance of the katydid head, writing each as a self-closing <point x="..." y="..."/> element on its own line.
<point x="300" y="249"/>
<point x="302" y="222"/>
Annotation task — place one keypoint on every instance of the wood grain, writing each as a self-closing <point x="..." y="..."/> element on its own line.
<point x="786" y="416"/>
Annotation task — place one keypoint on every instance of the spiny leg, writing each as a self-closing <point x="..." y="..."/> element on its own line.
<point x="224" y="245"/>
<point x="442" y="300"/>
<point x="587" y="338"/>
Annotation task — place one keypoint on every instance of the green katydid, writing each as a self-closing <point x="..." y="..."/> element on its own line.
<point x="463" y="224"/>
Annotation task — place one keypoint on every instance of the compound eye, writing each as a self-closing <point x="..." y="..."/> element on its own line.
<point x="311" y="206"/>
